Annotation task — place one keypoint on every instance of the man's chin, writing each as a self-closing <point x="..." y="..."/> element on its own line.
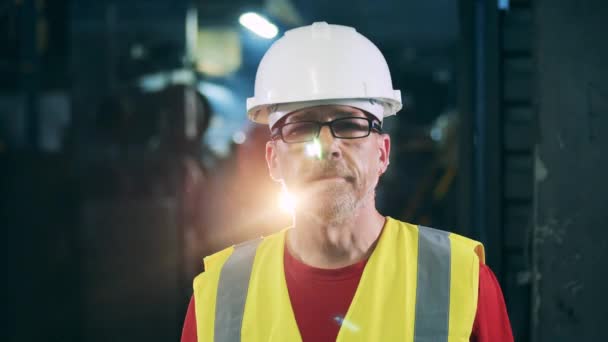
<point x="328" y="213"/>
<point x="325" y="190"/>
<point x="322" y="184"/>
<point x="326" y="203"/>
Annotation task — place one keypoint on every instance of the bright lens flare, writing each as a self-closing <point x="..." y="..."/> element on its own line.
<point x="313" y="149"/>
<point x="287" y="202"/>
<point x="259" y="25"/>
<point x="347" y="324"/>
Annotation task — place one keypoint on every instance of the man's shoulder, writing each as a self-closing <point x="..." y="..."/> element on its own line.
<point x="461" y="242"/>
<point x="217" y="259"/>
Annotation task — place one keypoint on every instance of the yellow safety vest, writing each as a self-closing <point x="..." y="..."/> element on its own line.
<point x="419" y="284"/>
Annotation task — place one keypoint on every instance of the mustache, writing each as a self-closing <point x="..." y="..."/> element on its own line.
<point x="329" y="169"/>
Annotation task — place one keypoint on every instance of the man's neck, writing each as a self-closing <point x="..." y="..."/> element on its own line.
<point x="335" y="243"/>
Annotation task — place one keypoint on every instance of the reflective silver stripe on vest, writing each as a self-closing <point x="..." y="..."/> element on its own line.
<point x="232" y="292"/>
<point x="432" y="290"/>
<point x="433" y="286"/>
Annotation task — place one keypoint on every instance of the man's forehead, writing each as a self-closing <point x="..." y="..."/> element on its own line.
<point x="325" y="111"/>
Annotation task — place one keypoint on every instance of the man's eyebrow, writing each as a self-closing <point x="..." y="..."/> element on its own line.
<point x="340" y="113"/>
<point x="299" y="115"/>
<point x="345" y="112"/>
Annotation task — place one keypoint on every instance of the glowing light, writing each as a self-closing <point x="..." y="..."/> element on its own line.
<point x="347" y="324"/>
<point x="259" y="25"/>
<point x="137" y="51"/>
<point x="239" y="137"/>
<point x="153" y="82"/>
<point x="503" y="5"/>
<point x="436" y="133"/>
<point x="313" y="149"/>
<point x="287" y="201"/>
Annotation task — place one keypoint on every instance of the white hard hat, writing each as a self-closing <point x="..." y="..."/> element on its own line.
<point x="322" y="64"/>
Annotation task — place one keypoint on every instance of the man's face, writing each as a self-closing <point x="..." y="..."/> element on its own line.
<point x="330" y="177"/>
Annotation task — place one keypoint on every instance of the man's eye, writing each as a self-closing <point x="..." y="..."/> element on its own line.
<point x="296" y="129"/>
<point x="350" y="126"/>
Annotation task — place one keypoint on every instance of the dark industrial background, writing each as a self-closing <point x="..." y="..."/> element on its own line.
<point x="126" y="156"/>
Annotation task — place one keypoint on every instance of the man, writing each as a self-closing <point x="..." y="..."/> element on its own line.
<point x="343" y="272"/>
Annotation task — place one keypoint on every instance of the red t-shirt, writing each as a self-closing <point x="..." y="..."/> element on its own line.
<point x="321" y="297"/>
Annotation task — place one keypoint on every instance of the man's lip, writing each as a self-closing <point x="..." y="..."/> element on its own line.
<point x="326" y="178"/>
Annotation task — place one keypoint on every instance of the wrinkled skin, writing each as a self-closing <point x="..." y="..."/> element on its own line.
<point x="334" y="185"/>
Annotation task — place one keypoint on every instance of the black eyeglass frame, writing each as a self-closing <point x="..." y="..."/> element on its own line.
<point x="373" y="125"/>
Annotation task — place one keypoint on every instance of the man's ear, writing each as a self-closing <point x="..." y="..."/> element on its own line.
<point x="384" y="147"/>
<point x="272" y="161"/>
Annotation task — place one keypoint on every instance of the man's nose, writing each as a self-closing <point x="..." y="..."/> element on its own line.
<point x="329" y="144"/>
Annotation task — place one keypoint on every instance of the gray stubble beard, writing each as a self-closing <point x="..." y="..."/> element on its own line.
<point x="341" y="209"/>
